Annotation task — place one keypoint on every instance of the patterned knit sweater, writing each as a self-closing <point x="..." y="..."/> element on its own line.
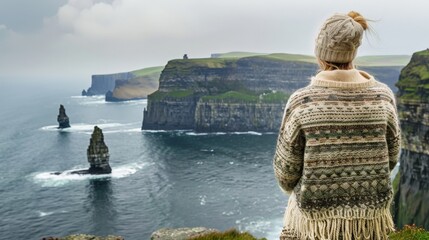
<point x="338" y="142"/>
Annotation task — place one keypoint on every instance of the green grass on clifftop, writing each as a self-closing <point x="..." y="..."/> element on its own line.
<point x="365" y="61"/>
<point x="289" y="57"/>
<point x="236" y="54"/>
<point x="184" y="64"/>
<point x="232" y="234"/>
<point x="413" y="82"/>
<point x="148" y="71"/>
<point x="248" y="97"/>
<point x="173" y="94"/>
<point x="223" y="60"/>
<point x="383" y="60"/>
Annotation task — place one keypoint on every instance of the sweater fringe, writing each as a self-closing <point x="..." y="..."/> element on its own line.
<point x="339" y="224"/>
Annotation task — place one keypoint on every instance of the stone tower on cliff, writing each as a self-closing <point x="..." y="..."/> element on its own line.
<point x="98" y="154"/>
<point x="62" y="118"/>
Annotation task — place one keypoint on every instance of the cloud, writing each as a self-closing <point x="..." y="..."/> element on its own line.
<point x="85" y="37"/>
<point x="120" y="20"/>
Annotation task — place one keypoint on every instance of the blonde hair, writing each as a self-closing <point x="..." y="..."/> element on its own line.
<point x="330" y="66"/>
<point x="359" y="19"/>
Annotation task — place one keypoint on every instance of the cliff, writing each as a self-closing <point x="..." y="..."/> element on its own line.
<point x="412" y="193"/>
<point x="234" y="93"/>
<point x="125" y="86"/>
<point x="101" y="84"/>
<point x="225" y="94"/>
<point x="143" y="83"/>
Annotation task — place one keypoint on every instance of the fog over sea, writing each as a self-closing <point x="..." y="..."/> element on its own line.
<point x="159" y="179"/>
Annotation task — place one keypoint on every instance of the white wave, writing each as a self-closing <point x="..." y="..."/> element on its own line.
<point x="192" y="133"/>
<point x="78" y="97"/>
<point x="225" y="133"/>
<point x="49" y="179"/>
<point x="219" y="133"/>
<point x="230" y="213"/>
<point x="203" y="200"/>
<point x="248" y="132"/>
<point x="131" y="130"/>
<point x="44" y="214"/>
<point x="134" y="102"/>
<point x="196" y="134"/>
<point x="100" y="99"/>
<point x="207" y="150"/>
<point x="154" y="131"/>
<point x="88" y="128"/>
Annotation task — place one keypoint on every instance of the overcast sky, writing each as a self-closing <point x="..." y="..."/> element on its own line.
<point x="53" y="38"/>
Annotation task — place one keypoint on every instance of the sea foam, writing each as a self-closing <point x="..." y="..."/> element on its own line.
<point x="88" y="128"/>
<point x="49" y="179"/>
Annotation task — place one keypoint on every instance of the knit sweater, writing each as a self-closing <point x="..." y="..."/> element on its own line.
<point x="338" y="141"/>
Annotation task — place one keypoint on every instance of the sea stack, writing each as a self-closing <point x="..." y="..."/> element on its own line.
<point x="98" y="154"/>
<point x="62" y="118"/>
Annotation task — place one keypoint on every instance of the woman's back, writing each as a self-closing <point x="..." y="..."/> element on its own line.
<point x="338" y="142"/>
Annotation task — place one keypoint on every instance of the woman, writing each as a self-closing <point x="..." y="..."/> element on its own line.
<point x="338" y="142"/>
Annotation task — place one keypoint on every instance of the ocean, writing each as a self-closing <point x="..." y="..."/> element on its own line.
<point x="159" y="178"/>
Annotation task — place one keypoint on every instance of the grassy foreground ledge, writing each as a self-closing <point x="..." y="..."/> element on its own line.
<point x="231" y="234"/>
<point x="409" y="232"/>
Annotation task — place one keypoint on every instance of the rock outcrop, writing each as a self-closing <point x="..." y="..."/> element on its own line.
<point x="412" y="193"/>
<point x="180" y="233"/>
<point x="63" y="119"/>
<point x="98" y="154"/>
<point x="232" y="94"/>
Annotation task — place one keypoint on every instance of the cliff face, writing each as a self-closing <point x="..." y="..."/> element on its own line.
<point x="224" y="94"/>
<point x="125" y="86"/>
<point x="170" y="113"/>
<point x="218" y="116"/>
<point x="211" y="76"/>
<point x="412" y="195"/>
<point x="101" y="84"/>
<point x="143" y="83"/>
<point x="233" y="94"/>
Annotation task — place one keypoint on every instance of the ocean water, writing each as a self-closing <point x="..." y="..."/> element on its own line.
<point x="159" y="179"/>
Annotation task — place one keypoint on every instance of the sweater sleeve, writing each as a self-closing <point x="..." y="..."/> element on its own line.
<point x="393" y="135"/>
<point x="289" y="155"/>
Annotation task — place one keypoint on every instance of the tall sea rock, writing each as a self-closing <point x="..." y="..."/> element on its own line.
<point x="63" y="119"/>
<point x="232" y="94"/>
<point x="98" y="154"/>
<point x="412" y="191"/>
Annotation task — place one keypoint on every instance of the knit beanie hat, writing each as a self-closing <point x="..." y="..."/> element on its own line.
<point x="339" y="37"/>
